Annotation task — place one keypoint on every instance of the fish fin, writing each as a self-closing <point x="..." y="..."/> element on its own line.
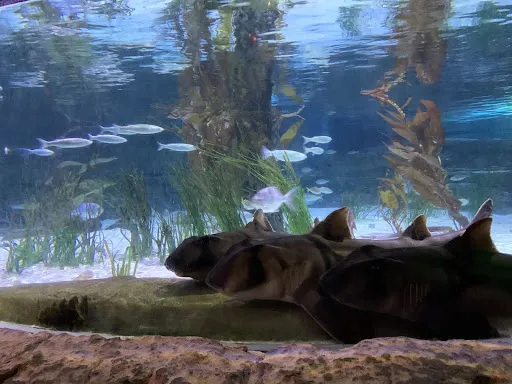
<point x="306" y="140"/>
<point x="335" y="226"/>
<point x="342" y="323"/>
<point x="476" y="237"/>
<point x="265" y="152"/>
<point x="418" y="229"/>
<point x="290" y="197"/>
<point x="89" y="136"/>
<point x="261" y="221"/>
<point x="43" y="143"/>
<point x="483" y="212"/>
<point x="160" y="146"/>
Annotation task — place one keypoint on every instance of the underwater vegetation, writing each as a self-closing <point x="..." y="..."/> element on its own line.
<point x="60" y="224"/>
<point x="208" y="201"/>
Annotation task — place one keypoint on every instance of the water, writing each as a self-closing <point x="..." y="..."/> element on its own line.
<point x="226" y="78"/>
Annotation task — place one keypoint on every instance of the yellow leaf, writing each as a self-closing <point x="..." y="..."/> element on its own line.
<point x="291" y="93"/>
<point x="290" y="134"/>
<point x="388" y="199"/>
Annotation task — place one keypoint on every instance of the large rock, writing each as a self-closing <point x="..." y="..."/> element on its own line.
<point x="174" y="307"/>
<point x="45" y="357"/>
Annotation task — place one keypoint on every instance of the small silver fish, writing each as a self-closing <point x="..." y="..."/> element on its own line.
<point x="325" y="190"/>
<point x="74" y="142"/>
<point x="282" y="155"/>
<point x="321" y="181"/>
<point x="108" y="139"/>
<point x="313" y="150"/>
<point x="464" y="202"/>
<point x="270" y="199"/>
<point x="27" y="151"/>
<point x="330" y="152"/>
<point x="179" y="147"/>
<point x="87" y="211"/>
<point x="306" y="170"/>
<point x="352" y="152"/>
<point x="133" y="129"/>
<point x="458" y="177"/>
<point x="315" y="190"/>
<point x="317" y="139"/>
<point x="311" y="198"/>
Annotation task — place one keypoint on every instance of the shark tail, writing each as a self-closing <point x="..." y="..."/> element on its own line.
<point x="43" y="143"/>
<point x="290" y="197"/>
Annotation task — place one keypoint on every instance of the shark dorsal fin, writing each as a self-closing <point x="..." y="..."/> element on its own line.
<point x="261" y="222"/>
<point x="335" y="226"/>
<point x="485" y="211"/>
<point x="418" y="229"/>
<point x="477" y="236"/>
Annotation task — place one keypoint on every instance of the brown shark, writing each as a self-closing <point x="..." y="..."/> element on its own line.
<point x="289" y="268"/>
<point x="197" y="255"/>
<point x="447" y="289"/>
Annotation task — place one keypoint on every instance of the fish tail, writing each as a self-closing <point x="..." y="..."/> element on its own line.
<point x="289" y="198"/>
<point x="160" y="146"/>
<point x="90" y="136"/>
<point x="306" y="150"/>
<point x="265" y="152"/>
<point x="306" y="140"/>
<point x="43" y="143"/>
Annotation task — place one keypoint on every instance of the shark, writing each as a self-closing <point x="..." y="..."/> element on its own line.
<point x="197" y="255"/>
<point x="451" y="290"/>
<point x="289" y="269"/>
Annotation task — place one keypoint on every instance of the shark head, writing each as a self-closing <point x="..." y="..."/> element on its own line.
<point x="195" y="256"/>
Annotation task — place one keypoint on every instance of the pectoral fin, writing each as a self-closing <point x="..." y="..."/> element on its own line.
<point x="344" y="324"/>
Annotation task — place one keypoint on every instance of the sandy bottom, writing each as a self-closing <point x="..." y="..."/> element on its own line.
<point x="151" y="267"/>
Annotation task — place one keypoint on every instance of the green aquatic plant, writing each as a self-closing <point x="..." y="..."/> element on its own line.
<point x="124" y="266"/>
<point x="393" y="202"/>
<point x="360" y="210"/>
<point x="132" y="200"/>
<point x="417" y="205"/>
<point x="214" y="197"/>
<point x="53" y="235"/>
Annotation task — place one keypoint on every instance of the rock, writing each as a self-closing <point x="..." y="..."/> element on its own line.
<point x="47" y="357"/>
<point x="174" y="307"/>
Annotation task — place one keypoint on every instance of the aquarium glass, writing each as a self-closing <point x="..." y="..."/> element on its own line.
<point x="128" y="126"/>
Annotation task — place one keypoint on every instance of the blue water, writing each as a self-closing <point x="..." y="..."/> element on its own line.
<point x="67" y="67"/>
